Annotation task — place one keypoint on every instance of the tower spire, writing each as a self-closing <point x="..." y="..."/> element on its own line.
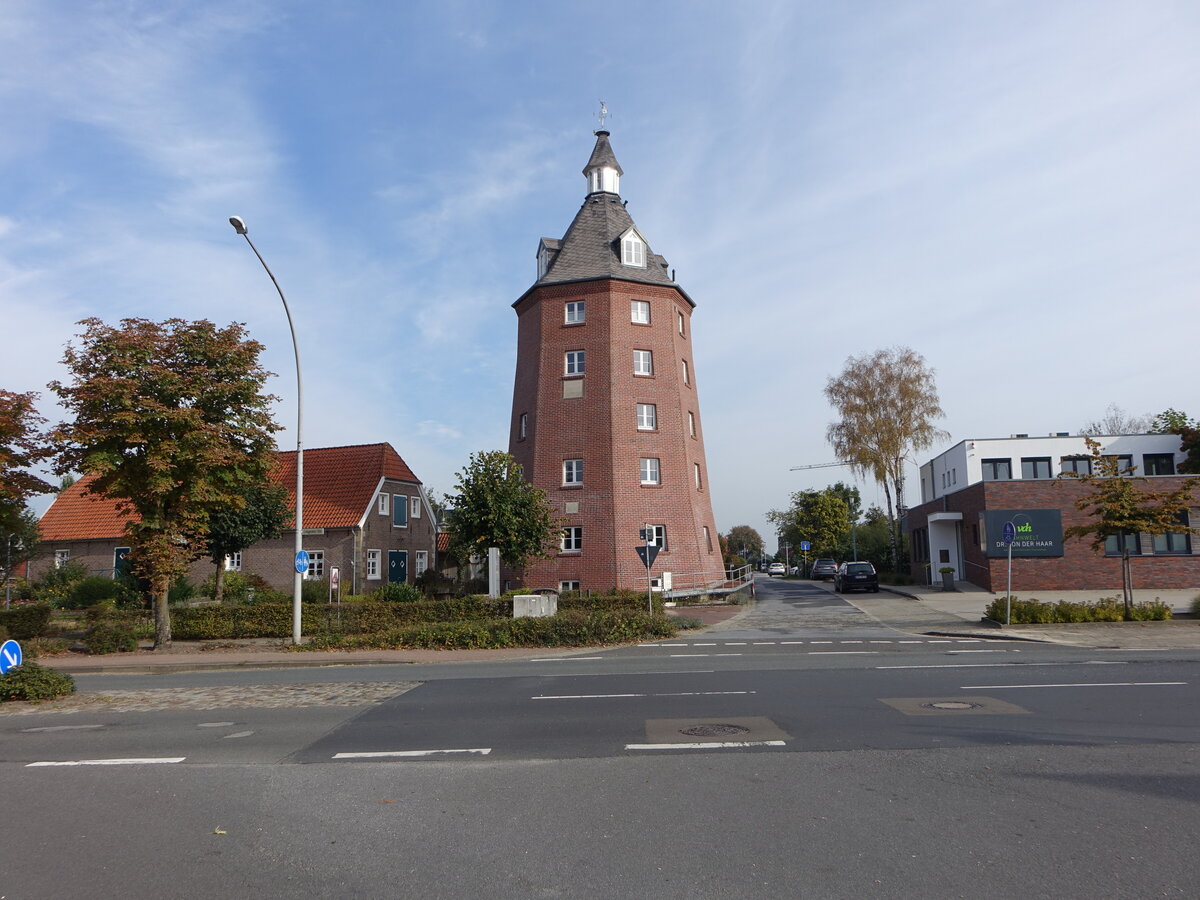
<point x="602" y="171"/>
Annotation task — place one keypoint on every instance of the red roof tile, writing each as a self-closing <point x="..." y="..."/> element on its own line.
<point x="339" y="486"/>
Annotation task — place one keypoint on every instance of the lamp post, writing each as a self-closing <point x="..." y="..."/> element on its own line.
<point x="240" y="227"/>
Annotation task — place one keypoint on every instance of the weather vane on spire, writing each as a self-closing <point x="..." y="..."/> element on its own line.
<point x="603" y="114"/>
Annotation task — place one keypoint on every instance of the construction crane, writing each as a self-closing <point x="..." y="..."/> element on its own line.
<point x="832" y="465"/>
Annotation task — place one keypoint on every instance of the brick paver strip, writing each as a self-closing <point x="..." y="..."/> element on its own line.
<point x="273" y="696"/>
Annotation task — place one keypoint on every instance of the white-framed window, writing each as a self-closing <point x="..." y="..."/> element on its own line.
<point x="707" y="538"/>
<point x="383" y="504"/>
<point x="696" y="470"/>
<point x="691" y="423"/>
<point x="649" y="471"/>
<point x="687" y="377"/>
<point x="564" y="586"/>
<point x="572" y="539"/>
<point x="523" y="426"/>
<point x="573" y="362"/>
<point x="399" y="511"/>
<point x="572" y="471"/>
<point x="679" y="316"/>
<point x="658" y="536"/>
<point x="422" y="563"/>
<point x="61" y="558"/>
<point x="643" y="362"/>
<point x="633" y="250"/>
<point x="316" y="564"/>
<point x="574" y="312"/>
<point x="374" y="557"/>
<point x="639" y="312"/>
<point x="414" y="507"/>
<point x="647" y="417"/>
<point x="233" y="562"/>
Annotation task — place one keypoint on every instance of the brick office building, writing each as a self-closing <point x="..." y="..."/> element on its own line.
<point x="364" y="512"/>
<point x="606" y="416"/>
<point x="969" y="491"/>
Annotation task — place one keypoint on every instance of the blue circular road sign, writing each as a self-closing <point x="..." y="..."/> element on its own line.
<point x="10" y="656"/>
<point x="302" y="561"/>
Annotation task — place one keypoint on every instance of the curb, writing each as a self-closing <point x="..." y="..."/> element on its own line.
<point x="166" y="668"/>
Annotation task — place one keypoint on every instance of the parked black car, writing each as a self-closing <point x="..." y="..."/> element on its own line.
<point x="854" y="576"/>
<point x="822" y="569"/>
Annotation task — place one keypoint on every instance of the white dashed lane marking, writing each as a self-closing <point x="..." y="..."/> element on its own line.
<point x="709" y="745"/>
<point x="142" y="761"/>
<point x="410" y="754"/>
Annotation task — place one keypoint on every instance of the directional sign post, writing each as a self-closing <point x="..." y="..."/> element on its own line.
<point x="1010" y="535"/>
<point x="10" y="656"/>
<point x="302" y="561"/>
<point x="648" y="551"/>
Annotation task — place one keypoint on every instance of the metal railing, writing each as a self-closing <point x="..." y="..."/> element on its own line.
<point x="691" y="584"/>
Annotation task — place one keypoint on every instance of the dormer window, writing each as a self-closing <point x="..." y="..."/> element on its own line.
<point x="633" y="249"/>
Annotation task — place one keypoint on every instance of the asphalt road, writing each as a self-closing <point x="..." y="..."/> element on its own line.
<point x="804" y="751"/>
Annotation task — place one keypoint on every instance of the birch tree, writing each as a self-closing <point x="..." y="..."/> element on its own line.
<point x="887" y="403"/>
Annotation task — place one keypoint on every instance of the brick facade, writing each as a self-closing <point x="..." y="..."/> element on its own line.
<point x="600" y="427"/>
<point x="342" y="520"/>
<point x="1079" y="568"/>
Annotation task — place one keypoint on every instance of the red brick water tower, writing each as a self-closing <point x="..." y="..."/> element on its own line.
<point x="606" y="415"/>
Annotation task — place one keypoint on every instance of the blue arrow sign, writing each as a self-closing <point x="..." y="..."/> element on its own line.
<point x="1010" y="533"/>
<point x="10" y="656"/>
<point x="805" y="546"/>
<point x="302" y="561"/>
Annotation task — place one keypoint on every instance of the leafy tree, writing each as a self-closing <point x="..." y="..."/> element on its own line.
<point x="1172" y="421"/>
<point x="171" y="420"/>
<point x="820" y="517"/>
<point x="496" y="507"/>
<point x="231" y="529"/>
<point x="20" y="545"/>
<point x="745" y="541"/>
<point x="887" y="402"/>
<point x="1123" y="506"/>
<point x="21" y="447"/>
<point x="1116" y="421"/>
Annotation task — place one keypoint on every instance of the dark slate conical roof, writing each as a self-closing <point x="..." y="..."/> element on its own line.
<point x="602" y="155"/>
<point x="591" y="248"/>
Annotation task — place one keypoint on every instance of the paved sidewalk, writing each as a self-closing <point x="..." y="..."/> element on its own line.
<point x="960" y="612"/>
<point x="249" y="656"/>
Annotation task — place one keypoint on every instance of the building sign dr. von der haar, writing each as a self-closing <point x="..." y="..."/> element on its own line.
<point x="1038" y="532"/>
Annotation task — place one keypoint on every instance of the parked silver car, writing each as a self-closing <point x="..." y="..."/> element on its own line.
<point x="823" y="569"/>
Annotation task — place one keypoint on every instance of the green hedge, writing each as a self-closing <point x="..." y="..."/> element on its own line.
<point x="29" y="681"/>
<point x="26" y="621"/>
<point x="1106" y="609"/>
<point x="355" y="616"/>
<point x="568" y="629"/>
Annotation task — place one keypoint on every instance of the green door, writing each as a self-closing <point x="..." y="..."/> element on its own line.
<point x="398" y="566"/>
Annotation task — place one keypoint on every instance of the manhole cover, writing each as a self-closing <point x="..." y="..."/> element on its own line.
<point x="951" y="704"/>
<point x="713" y="730"/>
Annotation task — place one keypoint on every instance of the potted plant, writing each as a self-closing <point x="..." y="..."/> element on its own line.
<point x="947" y="577"/>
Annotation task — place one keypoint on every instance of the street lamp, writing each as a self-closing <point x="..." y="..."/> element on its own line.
<point x="240" y="227"/>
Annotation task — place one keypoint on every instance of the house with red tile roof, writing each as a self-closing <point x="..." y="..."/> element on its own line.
<point x="365" y="512"/>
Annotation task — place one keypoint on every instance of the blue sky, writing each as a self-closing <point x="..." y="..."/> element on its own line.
<point x="1009" y="188"/>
